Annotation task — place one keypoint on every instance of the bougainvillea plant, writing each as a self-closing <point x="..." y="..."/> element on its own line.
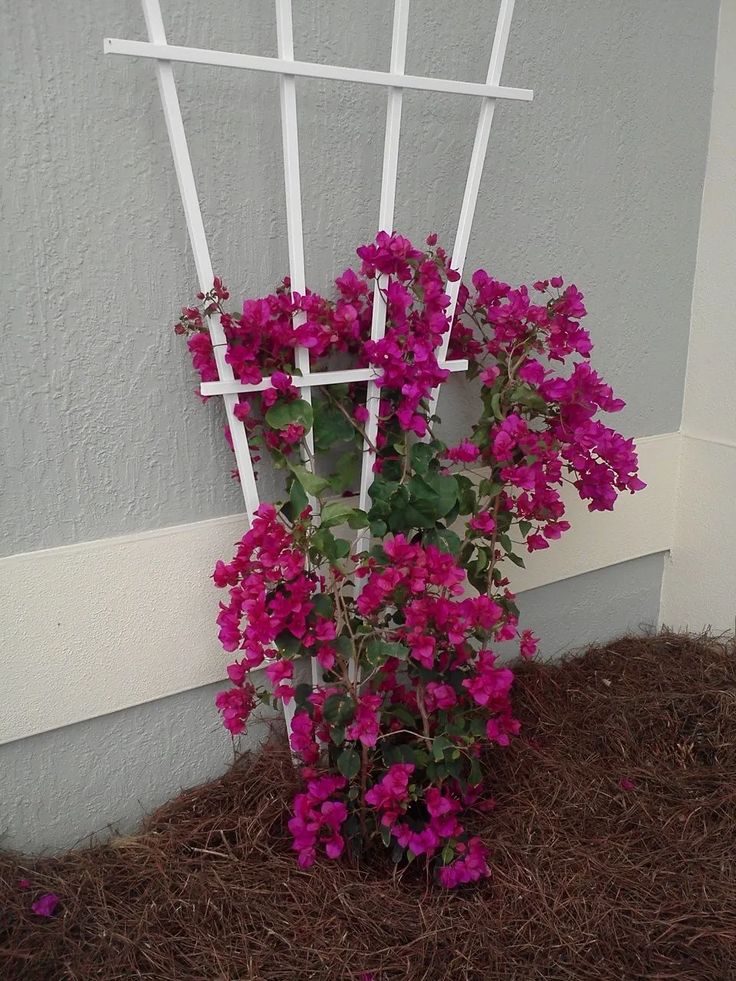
<point x="405" y="630"/>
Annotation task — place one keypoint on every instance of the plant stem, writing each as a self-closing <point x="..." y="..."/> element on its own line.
<point x="423" y="713"/>
<point x="356" y="426"/>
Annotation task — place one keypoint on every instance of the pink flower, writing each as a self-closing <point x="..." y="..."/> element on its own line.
<point x="303" y="739"/>
<point x="236" y="672"/>
<point x="422" y="649"/>
<point x="236" y="705"/>
<point x="532" y="372"/>
<point x="489" y="375"/>
<point x="326" y="657"/>
<point x="365" y="725"/>
<point x="318" y="819"/>
<point x="489" y="684"/>
<point x="626" y="784"/>
<point x="499" y="730"/>
<point x="390" y="795"/>
<point x="528" y="645"/>
<point x="469" y="867"/>
<point x="441" y="696"/>
<point x="46" y="904"/>
<point x="465" y="452"/>
<point x="282" y="383"/>
<point x="24" y="883"/>
<point x="279" y="673"/>
<point x="483" y="522"/>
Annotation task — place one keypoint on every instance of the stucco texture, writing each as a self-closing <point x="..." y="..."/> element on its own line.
<point x="599" y="178"/>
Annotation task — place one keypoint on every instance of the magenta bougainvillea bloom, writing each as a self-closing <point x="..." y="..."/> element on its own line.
<point x="45" y="905"/>
<point x="403" y="633"/>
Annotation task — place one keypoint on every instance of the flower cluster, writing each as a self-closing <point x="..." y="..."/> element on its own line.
<point x="404" y="634"/>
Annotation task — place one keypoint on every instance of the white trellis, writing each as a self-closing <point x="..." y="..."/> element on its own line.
<point x="287" y="68"/>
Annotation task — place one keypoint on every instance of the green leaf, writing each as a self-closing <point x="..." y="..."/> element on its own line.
<point x="505" y="542"/>
<point x="346" y="472"/>
<point x="311" y="483"/>
<point x="288" y="644"/>
<point x="340" y="512"/>
<point x="338" y="709"/>
<point x="302" y="693"/>
<point x="452" y="514"/>
<point x="496" y="406"/>
<point x="282" y="414"/>
<point x="382" y="490"/>
<point x="330" y="547"/>
<point x="403" y="714"/>
<point x="516" y="559"/>
<point x="378" y="528"/>
<point x="475" y="774"/>
<point x="483" y="557"/>
<point x="449" y="541"/>
<point x="330" y="426"/>
<point x="342" y="548"/>
<point x="529" y="398"/>
<point x="379" y="651"/>
<point x="422" y="455"/>
<point x="402" y="753"/>
<point x="465" y="494"/>
<point x="433" y="485"/>
<point x="525" y="527"/>
<point x="298" y="498"/>
<point x="324" y="605"/>
<point x="344" y="645"/>
<point x="439" y="745"/>
<point x="348" y="763"/>
<point x="489" y="488"/>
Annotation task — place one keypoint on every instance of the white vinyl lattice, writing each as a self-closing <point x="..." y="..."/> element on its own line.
<point x="287" y="68"/>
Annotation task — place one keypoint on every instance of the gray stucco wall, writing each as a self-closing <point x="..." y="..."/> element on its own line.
<point x="105" y="774"/>
<point x="600" y="178"/>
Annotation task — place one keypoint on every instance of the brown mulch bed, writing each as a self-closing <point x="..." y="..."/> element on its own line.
<point x="590" y="881"/>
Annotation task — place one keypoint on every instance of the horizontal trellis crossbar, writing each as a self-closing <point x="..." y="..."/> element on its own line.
<point x="309" y="69"/>
<point x="314" y="379"/>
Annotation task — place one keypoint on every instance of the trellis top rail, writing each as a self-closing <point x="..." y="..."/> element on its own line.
<point x="309" y="69"/>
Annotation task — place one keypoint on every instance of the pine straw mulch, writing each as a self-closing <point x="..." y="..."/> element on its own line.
<point x="590" y="881"/>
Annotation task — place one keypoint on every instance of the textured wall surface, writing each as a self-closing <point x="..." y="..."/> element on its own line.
<point x="58" y="787"/>
<point x="106" y="774"/>
<point x="698" y="593"/>
<point x="599" y="177"/>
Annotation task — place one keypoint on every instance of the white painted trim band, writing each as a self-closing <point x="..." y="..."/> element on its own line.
<point x="100" y="626"/>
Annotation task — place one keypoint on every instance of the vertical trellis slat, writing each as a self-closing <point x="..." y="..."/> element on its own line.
<point x="198" y="239"/>
<point x="475" y="170"/>
<point x="294" y="229"/>
<point x="385" y="223"/>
